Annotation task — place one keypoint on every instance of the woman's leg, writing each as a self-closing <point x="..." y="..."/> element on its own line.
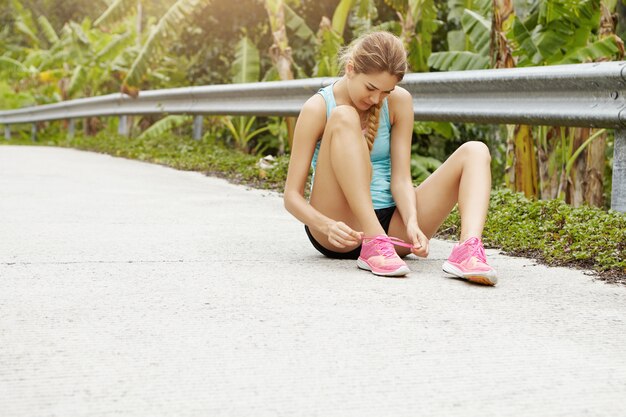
<point x="464" y="178"/>
<point x="343" y="174"/>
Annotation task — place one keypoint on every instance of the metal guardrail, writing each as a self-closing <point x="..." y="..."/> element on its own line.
<point x="583" y="95"/>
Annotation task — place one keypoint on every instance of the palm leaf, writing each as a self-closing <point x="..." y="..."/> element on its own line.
<point x="79" y="34"/>
<point x="458" y="61"/>
<point x="525" y="46"/>
<point x="329" y="44"/>
<point x="164" y="125"/>
<point x="420" y="46"/>
<point x="25" y="30"/>
<point x="297" y="25"/>
<point x="115" y="12"/>
<point x="365" y="7"/>
<point x="457" y="7"/>
<point x="479" y="31"/>
<point x="340" y="16"/>
<point x="78" y="80"/>
<point x="423" y="166"/>
<point x="392" y="26"/>
<point x="554" y="29"/>
<point x="166" y="29"/>
<point x="604" y="48"/>
<point x="246" y="67"/>
<point x="24" y="23"/>
<point x="11" y="65"/>
<point x="456" y="40"/>
<point x="398" y="5"/>
<point x="48" y="30"/>
<point x="271" y="74"/>
<point x="114" y="48"/>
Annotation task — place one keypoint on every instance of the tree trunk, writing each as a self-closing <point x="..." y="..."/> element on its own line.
<point x="525" y="162"/>
<point x="588" y="173"/>
<point x="521" y="170"/>
<point x="576" y="183"/>
<point x="594" y="174"/>
<point x="280" y="52"/>
<point x="500" y="48"/>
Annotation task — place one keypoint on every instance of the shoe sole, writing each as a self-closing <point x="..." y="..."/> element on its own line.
<point x="400" y="272"/>
<point x="488" y="278"/>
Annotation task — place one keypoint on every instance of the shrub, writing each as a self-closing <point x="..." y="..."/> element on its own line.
<point x="553" y="232"/>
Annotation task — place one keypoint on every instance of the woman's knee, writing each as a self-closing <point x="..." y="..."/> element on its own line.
<point x="475" y="150"/>
<point x="343" y="116"/>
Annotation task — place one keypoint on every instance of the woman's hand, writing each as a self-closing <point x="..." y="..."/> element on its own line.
<point x="341" y="235"/>
<point x="419" y="240"/>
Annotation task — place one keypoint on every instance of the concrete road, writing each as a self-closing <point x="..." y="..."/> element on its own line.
<point x="130" y="289"/>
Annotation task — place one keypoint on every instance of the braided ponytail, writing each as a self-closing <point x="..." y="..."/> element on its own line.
<point x="373" y="120"/>
<point x="373" y="53"/>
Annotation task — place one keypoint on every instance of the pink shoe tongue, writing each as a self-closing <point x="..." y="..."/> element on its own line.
<point x="476" y="248"/>
<point x="385" y="248"/>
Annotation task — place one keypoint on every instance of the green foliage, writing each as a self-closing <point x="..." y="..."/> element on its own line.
<point x="163" y="126"/>
<point x="168" y="27"/>
<point x="11" y="100"/>
<point x="553" y="232"/>
<point x="477" y="29"/>
<point x="329" y="45"/>
<point x="245" y="69"/>
<point x="458" y="61"/>
<point x="116" y="11"/>
<point x="246" y="66"/>
<point x="48" y="30"/>
<point x="297" y="25"/>
<point x="340" y="17"/>
<point x="560" y="32"/>
<point x="243" y="131"/>
<point x="420" y="46"/>
<point x="422" y="167"/>
<point x="457" y="8"/>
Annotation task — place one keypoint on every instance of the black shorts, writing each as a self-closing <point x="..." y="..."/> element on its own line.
<point x="384" y="217"/>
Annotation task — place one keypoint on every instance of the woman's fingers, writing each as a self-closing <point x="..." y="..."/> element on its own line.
<point x="342" y="235"/>
<point x="420" y="245"/>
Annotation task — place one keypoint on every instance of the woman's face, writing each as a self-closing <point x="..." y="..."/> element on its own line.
<point x="367" y="90"/>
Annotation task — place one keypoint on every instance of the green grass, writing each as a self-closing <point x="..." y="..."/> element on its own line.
<point x="549" y="231"/>
<point x="554" y="233"/>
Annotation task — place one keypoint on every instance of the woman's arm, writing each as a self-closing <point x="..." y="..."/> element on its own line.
<point x="309" y="128"/>
<point x="401" y="115"/>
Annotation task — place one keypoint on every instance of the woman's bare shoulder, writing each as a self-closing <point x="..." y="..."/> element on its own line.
<point x="400" y="100"/>
<point x="311" y="121"/>
<point x="399" y="95"/>
<point x="314" y="106"/>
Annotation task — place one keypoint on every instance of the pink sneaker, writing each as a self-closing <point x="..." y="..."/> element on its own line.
<point x="379" y="256"/>
<point x="468" y="261"/>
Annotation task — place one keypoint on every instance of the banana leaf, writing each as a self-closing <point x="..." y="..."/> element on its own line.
<point x="246" y="66"/>
<point x="457" y="61"/>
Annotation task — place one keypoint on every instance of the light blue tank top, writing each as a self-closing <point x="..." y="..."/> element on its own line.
<point x="380" y="187"/>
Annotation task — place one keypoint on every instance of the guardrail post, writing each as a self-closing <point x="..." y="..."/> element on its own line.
<point x="7" y="132"/>
<point x="618" y="192"/>
<point x="71" y="129"/>
<point x="33" y="132"/>
<point x="122" y="127"/>
<point x="197" y="127"/>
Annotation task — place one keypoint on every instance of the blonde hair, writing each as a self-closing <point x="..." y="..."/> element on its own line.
<point x="374" y="53"/>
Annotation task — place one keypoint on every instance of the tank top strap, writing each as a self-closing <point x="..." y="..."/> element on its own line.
<point x="384" y="116"/>
<point x="329" y="98"/>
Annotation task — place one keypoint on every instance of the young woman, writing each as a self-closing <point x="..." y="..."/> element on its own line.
<point x="356" y="134"/>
